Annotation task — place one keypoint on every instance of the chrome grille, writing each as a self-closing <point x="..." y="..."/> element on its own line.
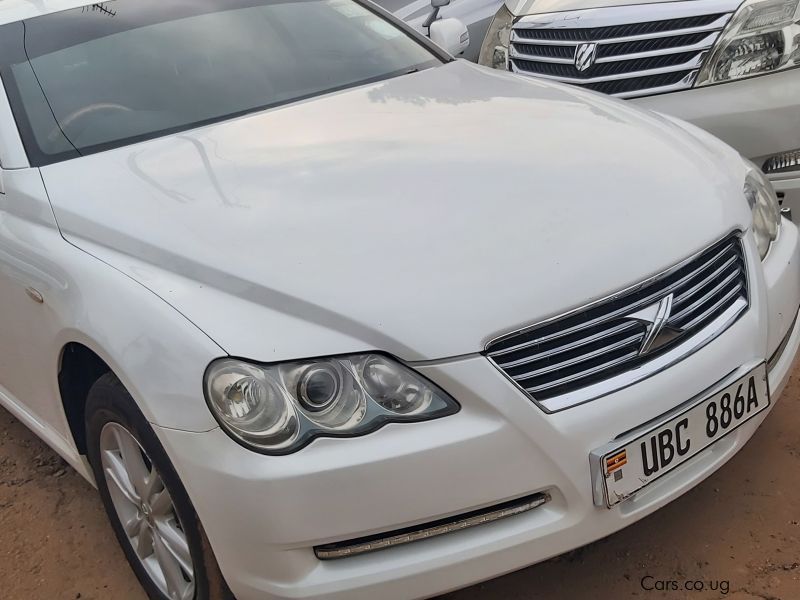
<point x="631" y="58"/>
<point x="598" y="342"/>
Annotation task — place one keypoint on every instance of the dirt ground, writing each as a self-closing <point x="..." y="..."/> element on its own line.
<point x="738" y="532"/>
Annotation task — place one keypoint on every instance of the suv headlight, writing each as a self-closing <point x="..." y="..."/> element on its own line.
<point x="494" y="50"/>
<point x="763" y="36"/>
<point x="766" y="212"/>
<point x="278" y="409"/>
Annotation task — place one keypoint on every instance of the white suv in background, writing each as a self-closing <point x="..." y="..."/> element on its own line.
<point x="723" y="65"/>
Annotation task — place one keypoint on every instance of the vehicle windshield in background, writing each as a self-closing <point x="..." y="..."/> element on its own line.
<point x="105" y="75"/>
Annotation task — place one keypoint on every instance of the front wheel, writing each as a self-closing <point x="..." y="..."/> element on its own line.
<point x="149" y="509"/>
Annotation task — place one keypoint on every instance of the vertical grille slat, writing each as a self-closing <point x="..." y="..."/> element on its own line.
<point x="600" y="341"/>
<point x="639" y="58"/>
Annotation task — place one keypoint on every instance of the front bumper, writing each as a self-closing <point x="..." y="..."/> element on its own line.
<point x="265" y="514"/>
<point x="759" y="117"/>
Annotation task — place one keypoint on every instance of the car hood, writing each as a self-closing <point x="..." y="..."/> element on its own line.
<point x="422" y="216"/>
<point x="538" y="7"/>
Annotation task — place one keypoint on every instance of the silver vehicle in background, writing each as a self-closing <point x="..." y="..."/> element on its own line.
<point x="475" y="14"/>
<point x="724" y="65"/>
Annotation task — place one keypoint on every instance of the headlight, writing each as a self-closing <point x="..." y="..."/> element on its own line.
<point x="494" y="51"/>
<point x="763" y="36"/>
<point x="766" y="211"/>
<point x="278" y="409"/>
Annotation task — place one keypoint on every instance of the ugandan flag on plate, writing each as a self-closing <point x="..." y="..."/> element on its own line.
<point x="616" y="461"/>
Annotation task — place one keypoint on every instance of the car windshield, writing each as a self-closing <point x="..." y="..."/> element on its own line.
<point x="109" y="74"/>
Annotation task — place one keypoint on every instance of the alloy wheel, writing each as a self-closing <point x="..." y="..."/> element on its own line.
<point x="146" y="512"/>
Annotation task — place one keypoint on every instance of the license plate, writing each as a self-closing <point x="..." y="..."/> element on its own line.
<point x="627" y="468"/>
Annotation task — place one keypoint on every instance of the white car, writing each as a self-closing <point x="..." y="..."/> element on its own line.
<point x="477" y="15"/>
<point x="727" y="66"/>
<point x="325" y="313"/>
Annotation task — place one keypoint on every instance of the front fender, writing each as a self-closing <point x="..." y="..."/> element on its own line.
<point x="158" y="354"/>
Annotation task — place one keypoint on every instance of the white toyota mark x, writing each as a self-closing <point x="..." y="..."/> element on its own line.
<point x="325" y="313"/>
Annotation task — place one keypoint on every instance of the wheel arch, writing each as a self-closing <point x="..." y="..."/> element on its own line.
<point x="79" y="368"/>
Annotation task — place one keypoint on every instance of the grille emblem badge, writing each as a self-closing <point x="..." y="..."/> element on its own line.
<point x="655" y="317"/>
<point x="585" y="55"/>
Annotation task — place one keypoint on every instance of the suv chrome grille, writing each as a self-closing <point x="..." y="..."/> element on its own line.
<point x="630" y="59"/>
<point x="602" y="340"/>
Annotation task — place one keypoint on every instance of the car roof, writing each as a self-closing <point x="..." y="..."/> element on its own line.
<point x="18" y="10"/>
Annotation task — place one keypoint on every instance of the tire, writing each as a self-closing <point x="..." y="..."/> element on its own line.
<point x="111" y="413"/>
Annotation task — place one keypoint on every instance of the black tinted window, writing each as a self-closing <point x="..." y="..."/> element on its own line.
<point x="89" y="79"/>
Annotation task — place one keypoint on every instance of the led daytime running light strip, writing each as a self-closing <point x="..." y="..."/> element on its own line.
<point x="391" y="539"/>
